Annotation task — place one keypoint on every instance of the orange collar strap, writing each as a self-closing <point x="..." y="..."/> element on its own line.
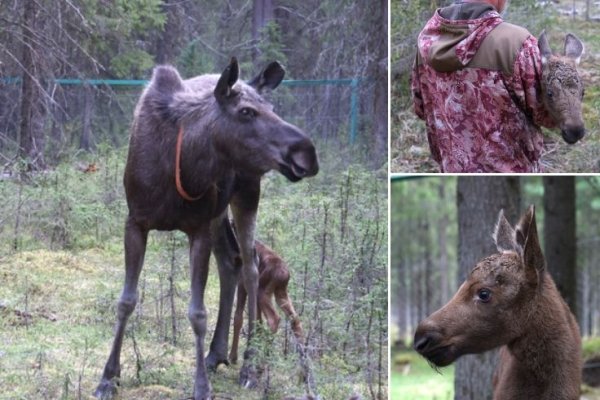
<point x="178" y="184"/>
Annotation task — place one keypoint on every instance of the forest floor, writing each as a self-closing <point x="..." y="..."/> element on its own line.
<point x="54" y="344"/>
<point x="58" y="291"/>
<point x="409" y="149"/>
<point x="412" y="378"/>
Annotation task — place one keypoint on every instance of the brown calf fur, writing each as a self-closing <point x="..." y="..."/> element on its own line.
<point x="273" y="280"/>
<point x="510" y="300"/>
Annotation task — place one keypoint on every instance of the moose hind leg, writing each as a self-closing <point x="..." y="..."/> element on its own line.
<point x="227" y="254"/>
<point x="199" y="257"/>
<point x="135" y="248"/>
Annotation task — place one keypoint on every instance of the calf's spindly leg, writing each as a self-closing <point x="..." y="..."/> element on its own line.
<point x="266" y="308"/>
<point x="135" y="247"/>
<point x="244" y="206"/>
<point x="226" y="251"/>
<point x="200" y="245"/>
<point x="285" y="304"/>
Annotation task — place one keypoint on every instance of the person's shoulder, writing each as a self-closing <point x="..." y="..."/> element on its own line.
<point x="501" y="47"/>
<point x="509" y="35"/>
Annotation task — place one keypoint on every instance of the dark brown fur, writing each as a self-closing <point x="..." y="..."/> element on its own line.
<point x="562" y="86"/>
<point x="273" y="280"/>
<point x="541" y="354"/>
<point x="231" y="138"/>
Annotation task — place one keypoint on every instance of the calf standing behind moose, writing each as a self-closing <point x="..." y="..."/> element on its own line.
<point x="510" y="300"/>
<point x="273" y="279"/>
<point x="198" y="147"/>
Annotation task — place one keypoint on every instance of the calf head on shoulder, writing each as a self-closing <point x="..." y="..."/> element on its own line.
<point x="562" y="86"/>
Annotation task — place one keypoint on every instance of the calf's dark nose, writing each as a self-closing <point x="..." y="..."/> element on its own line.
<point x="422" y="341"/>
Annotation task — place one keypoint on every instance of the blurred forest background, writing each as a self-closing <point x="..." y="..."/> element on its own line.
<point x="429" y="261"/>
<point x="70" y="74"/>
<point x="409" y="151"/>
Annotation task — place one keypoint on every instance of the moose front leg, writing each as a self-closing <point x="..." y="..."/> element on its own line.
<point x="135" y="248"/>
<point x="227" y="254"/>
<point x="238" y="321"/>
<point x="200" y="245"/>
<point x="244" y="206"/>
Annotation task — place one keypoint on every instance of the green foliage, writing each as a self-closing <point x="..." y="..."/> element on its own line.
<point x="591" y="347"/>
<point x="194" y="60"/>
<point x="271" y="46"/>
<point x="133" y="63"/>
<point x="414" y="379"/>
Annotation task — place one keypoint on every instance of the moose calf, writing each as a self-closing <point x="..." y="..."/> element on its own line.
<point x="510" y="300"/>
<point x="273" y="280"/>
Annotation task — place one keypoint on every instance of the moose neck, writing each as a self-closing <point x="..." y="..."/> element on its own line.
<point x="547" y="354"/>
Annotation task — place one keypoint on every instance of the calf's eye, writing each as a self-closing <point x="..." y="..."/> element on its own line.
<point x="485" y="295"/>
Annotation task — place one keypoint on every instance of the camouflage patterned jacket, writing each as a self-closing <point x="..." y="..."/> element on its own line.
<point x="476" y="83"/>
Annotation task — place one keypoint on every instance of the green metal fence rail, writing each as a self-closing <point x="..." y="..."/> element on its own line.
<point x="354" y="84"/>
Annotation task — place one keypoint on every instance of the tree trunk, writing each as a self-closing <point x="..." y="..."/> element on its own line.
<point x="479" y="199"/>
<point x="262" y="12"/>
<point x="85" y="142"/>
<point x="559" y="235"/>
<point x="377" y="69"/>
<point x="31" y="141"/>
<point x="443" y="243"/>
<point x="168" y="45"/>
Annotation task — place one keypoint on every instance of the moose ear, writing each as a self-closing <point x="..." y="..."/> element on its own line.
<point x="223" y="90"/>
<point x="269" y="78"/>
<point x="166" y="80"/>
<point x="527" y="239"/>
<point x="544" y="47"/>
<point x="573" y="47"/>
<point x="504" y="235"/>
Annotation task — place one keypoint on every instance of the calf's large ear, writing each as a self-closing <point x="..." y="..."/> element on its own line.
<point x="573" y="47"/>
<point x="223" y="90"/>
<point x="269" y="78"/>
<point x="504" y="234"/>
<point x="544" y="47"/>
<point x="528" y="241"/>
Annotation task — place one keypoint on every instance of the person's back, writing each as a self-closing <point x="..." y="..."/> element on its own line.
<point x="476" y="84"/>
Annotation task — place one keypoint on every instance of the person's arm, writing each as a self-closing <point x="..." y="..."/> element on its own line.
<point x="415" y="87"/>
<point x="526" y="82"/>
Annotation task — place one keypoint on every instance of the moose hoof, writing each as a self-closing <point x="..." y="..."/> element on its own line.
<point x="212" y="361"/>
<point x="248" y="377"/>
<point x="106" y="390"/>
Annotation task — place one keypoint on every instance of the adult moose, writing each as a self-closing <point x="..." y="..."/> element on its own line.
<point x="510" y="300"/>
<point x="196" y="147"/>
<point x="562" y="86"/>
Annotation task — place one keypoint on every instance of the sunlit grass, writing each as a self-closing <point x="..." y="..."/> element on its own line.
<point x="413" y="379"/>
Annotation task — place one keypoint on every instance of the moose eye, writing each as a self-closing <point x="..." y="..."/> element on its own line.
<point x="485" y="295"/>
<point x="248" y="112"/>
<point x="549" y="94"/>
